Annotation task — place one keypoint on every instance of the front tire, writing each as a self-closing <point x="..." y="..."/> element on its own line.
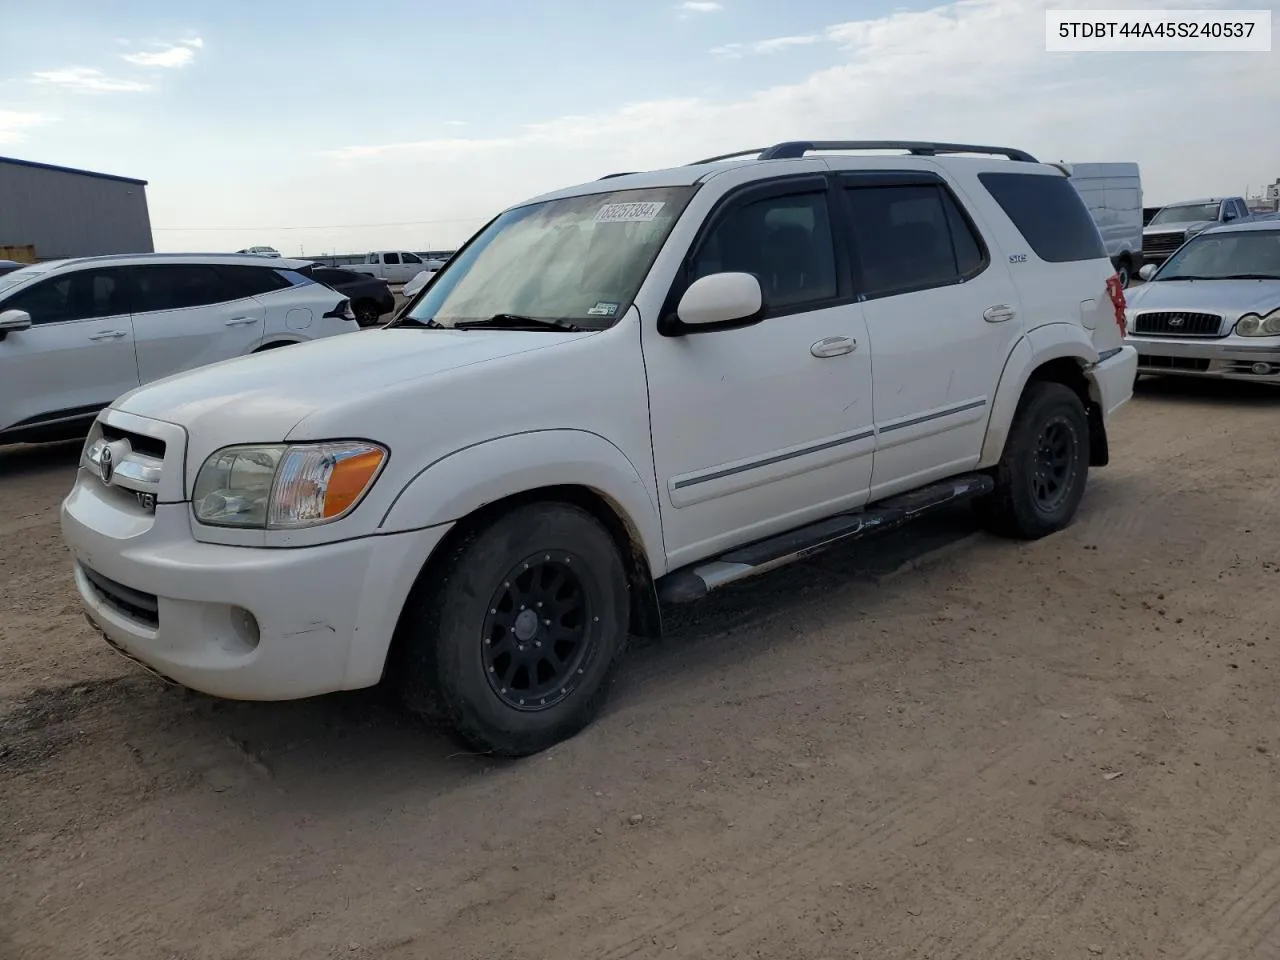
<point x="1125" y="271"/>
<point x="1042" y="473"/>
<point x="515" y="640"/>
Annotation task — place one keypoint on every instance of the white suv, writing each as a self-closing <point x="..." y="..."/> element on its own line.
<point x="75" y="334"/>
<point x="632" y="390"/>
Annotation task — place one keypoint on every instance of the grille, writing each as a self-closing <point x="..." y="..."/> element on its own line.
<point x="1162" y="244"/>
<point x="1194" y="364"/>
<point x="134" y="604"/>
<point x="148" y="446"/>
<point x="1176" y="324"/>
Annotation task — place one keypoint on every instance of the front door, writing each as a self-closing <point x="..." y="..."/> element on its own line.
<point x="763" y="428"/>
<point x="78" y="355"/>
<point x="187" y="315"/>
<point x="942" y="315"/>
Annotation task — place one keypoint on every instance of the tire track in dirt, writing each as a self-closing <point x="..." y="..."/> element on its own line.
<point x="1242" y="921"/>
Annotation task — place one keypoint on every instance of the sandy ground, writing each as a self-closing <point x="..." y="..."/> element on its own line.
<point x="942" y="746"/>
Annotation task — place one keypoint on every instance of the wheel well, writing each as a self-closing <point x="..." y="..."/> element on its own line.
<point x="273" y="345"/>
<point x="1068" y="372"/>
<point x="646" y="619"/>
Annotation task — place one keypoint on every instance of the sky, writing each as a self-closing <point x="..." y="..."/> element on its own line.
<point x="327" y="127"/>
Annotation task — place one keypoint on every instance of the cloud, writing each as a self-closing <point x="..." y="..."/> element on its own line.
<point x="693" y="7"/>
<point x="167" y="56"/>
<point x="772" y="45"/>
<point x="87" y="80"/>
<point x="14" y="124"/>
<point x="972" y="71"/>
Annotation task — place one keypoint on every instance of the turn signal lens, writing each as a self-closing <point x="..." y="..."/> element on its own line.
<point x="321" y="482"/>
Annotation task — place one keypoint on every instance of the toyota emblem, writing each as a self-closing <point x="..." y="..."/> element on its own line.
<point x="106" y="464"/>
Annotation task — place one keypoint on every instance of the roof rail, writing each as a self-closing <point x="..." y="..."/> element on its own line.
<point x="728" y="156"/>
<point x="625" y="173"/>
<point x="919" y="148"/>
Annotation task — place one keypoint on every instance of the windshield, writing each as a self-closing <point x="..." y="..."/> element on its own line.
<point x="1185" y="213"/>
<point x="10" y="280"/>
<point x="1244" y="254"/>
<point x="579" y="260"/>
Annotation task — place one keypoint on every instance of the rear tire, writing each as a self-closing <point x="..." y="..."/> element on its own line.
<point x="514" y="641"/>
<point x="1043" y="470"/>
<point x="1125" y="272"/>
<point x="366" y="312"/>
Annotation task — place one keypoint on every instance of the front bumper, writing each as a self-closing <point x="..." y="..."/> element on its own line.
<point x="1228" y="358"/>
<point x="243" y="623"/>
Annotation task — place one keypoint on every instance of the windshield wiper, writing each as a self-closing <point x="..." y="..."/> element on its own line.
<point x="406" y="320"/>
<point x="1251" y="276"/>
<point x="514" y="321"/>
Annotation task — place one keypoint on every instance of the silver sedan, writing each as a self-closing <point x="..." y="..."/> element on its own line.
<point x="1213" y="308"/>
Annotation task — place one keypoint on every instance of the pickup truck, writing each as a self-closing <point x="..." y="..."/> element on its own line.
<point x="1176" y="223"/>
<point x="393" y="266"/>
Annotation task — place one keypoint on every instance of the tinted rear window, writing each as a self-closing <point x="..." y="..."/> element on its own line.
<point x="1049" y="214"/>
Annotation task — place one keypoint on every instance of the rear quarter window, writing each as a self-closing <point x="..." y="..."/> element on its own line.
<point x="1049" y="213"/>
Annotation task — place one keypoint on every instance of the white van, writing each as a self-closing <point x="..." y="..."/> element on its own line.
<point x="1113" y="194"/>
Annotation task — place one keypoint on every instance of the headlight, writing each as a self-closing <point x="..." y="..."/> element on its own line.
<point x="284" y="486"/>
<point x="1252" y="325"/>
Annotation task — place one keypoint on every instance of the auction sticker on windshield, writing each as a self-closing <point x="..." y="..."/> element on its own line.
<point x="645" y="212"/>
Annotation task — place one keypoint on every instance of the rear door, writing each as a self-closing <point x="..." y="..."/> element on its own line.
<point x="410" y="266"/>
<point x="78" y="355"/>
<point x="190" y="314"/>
<point x="942" y="316"/>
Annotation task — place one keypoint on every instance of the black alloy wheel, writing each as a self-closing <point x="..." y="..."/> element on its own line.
<point x="535" y="643"/>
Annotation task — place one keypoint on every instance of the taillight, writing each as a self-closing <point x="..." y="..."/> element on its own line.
<point x="342" y="311"/>
<point x="1116" y="292"/>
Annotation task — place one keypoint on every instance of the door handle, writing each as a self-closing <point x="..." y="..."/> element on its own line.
<point x="242" y="321"/>
<point x="833" y="347"/>
<point x="109" y="335"/>
<point x="999" y="313"/>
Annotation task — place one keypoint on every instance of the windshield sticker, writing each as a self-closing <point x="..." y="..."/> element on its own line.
<point x="630" y="212"/>
<point x="603" y="309"/>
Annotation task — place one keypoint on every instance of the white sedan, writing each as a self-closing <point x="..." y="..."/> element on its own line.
<point x="76" y="334"/>
<point x="420" y="279"/>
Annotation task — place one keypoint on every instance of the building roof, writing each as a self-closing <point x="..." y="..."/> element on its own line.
<point x="81" y="173"/>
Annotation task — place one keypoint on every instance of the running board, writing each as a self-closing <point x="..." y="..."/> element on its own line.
<point x="695" y="582"/>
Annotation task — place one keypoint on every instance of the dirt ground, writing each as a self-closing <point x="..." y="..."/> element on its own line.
<point x="940" y="746"/>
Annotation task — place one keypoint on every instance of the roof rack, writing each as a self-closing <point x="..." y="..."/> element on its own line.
<point x="625" y="173"/>
<point x="794" y="149"/>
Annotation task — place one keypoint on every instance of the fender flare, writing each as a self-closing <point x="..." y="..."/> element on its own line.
<point x="1054" y="341"/>
<point x="459" y="483"/>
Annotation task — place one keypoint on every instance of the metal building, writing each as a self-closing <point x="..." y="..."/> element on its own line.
<point x="63" y="212"/>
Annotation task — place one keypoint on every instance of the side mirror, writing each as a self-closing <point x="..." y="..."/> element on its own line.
<point x="12" y="321"/>
<point x="1147" y="271"/>
<point x="722" y="300"/>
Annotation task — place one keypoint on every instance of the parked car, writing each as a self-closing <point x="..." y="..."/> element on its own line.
<point x="370" y="297"/>
<point x="1113" y="194"/>
<point x="8" y="266"/>
<point x="75" y="334"/>
<point x="652" y="386"/>
<point x="393" y="266"/>
<point x="1178" y="222"/>
<point x="1213" y="308"/>
<point x="261" y="251"/>
<point x="431" y="268"/>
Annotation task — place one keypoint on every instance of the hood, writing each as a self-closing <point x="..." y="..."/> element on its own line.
<point x="1230" y="298"/>
<point x="260" y="398"/>
<point x="1194" y="226"/>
